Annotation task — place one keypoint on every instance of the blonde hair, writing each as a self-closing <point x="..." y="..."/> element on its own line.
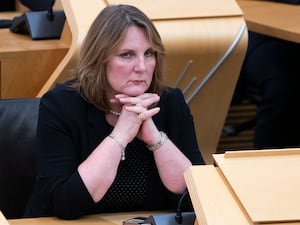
<point x="102" y="41"/>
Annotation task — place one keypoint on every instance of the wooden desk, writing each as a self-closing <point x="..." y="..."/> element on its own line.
<point x="247" y="188"/>
<point x="279" y="20"/>
<point x="22" y="58"/>
<point x="100" y="219"/>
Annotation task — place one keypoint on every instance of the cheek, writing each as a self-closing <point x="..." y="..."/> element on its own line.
<point x="118" y="69"/>
<point x="117" y="74"/>
<point x="113" y="71"/>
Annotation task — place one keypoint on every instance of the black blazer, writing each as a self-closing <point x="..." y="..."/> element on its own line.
<point x="69" y="129"/>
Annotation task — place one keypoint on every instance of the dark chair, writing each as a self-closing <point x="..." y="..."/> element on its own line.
<point x="18" y="120"/>
<point x="243" y="95"/>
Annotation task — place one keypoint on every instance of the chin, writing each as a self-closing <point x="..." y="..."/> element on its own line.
<point x="136" y="92"/>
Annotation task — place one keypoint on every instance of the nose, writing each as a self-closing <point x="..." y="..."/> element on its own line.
<point x="140" y="64"/>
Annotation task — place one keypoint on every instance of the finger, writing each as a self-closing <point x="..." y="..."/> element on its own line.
<point x="135" y="99"/>
<point x="144" y="101"/>
<point x="148" y="113"/>
<point x="142" y="96"/>
<point x="149" y="101"/>
<point x="135" y="109"/>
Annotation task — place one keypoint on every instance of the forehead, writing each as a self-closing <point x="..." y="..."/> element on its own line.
<point x="135" y="36"/>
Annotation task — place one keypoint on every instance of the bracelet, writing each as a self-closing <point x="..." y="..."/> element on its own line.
<point x="120" y="145"/>
<point x="163" y="139"/>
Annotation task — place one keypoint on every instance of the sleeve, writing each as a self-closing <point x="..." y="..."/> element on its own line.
<point x="59" y="188"/>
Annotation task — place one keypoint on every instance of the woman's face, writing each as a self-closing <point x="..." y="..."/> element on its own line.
<point x="130" y="69"/>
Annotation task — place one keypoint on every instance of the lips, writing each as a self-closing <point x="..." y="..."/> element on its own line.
<point x="137" y="82"/>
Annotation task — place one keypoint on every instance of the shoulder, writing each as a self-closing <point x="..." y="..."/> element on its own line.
<point x="62" y="99"/>
<point x="173" y="105"/>
<point x="172" y="93"/>
<point x="172" y="97"/>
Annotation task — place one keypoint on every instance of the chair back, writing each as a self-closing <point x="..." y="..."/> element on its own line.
<point x="18" y="121"/>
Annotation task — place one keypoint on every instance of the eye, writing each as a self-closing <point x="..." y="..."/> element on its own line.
<point x="126" y="55"/>
<point x="149" y="53"/>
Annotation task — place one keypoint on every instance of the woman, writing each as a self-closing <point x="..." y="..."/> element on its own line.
<point x="114" y="138"/>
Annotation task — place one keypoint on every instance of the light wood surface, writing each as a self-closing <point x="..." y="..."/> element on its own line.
<point x="26" y="64"/>
<point x="213" y="202"/>
<point x="20" y="7"/>
<point x="266" y="182"/>
<point x="9" y="15"/>
<point x="169" y="9"/>
<point x="272" y="18"/>
<point x="3" y="220"/>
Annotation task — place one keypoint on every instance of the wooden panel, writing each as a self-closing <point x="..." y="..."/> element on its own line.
<point x="272" y="18"/>
<point x="266" y="182"/>
<point x="3" y="220"/>
<point x="24" y="73"/>
<point x="169" y="9"/>
<point x="27" y="64"/>
<point x="203" y="42"/>
<point x="213" y="202"/>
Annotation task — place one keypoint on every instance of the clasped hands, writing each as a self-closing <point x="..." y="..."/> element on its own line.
<point x="136" y="118"/>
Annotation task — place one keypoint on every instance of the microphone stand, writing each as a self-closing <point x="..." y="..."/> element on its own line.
<point x="180" y="218"/>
